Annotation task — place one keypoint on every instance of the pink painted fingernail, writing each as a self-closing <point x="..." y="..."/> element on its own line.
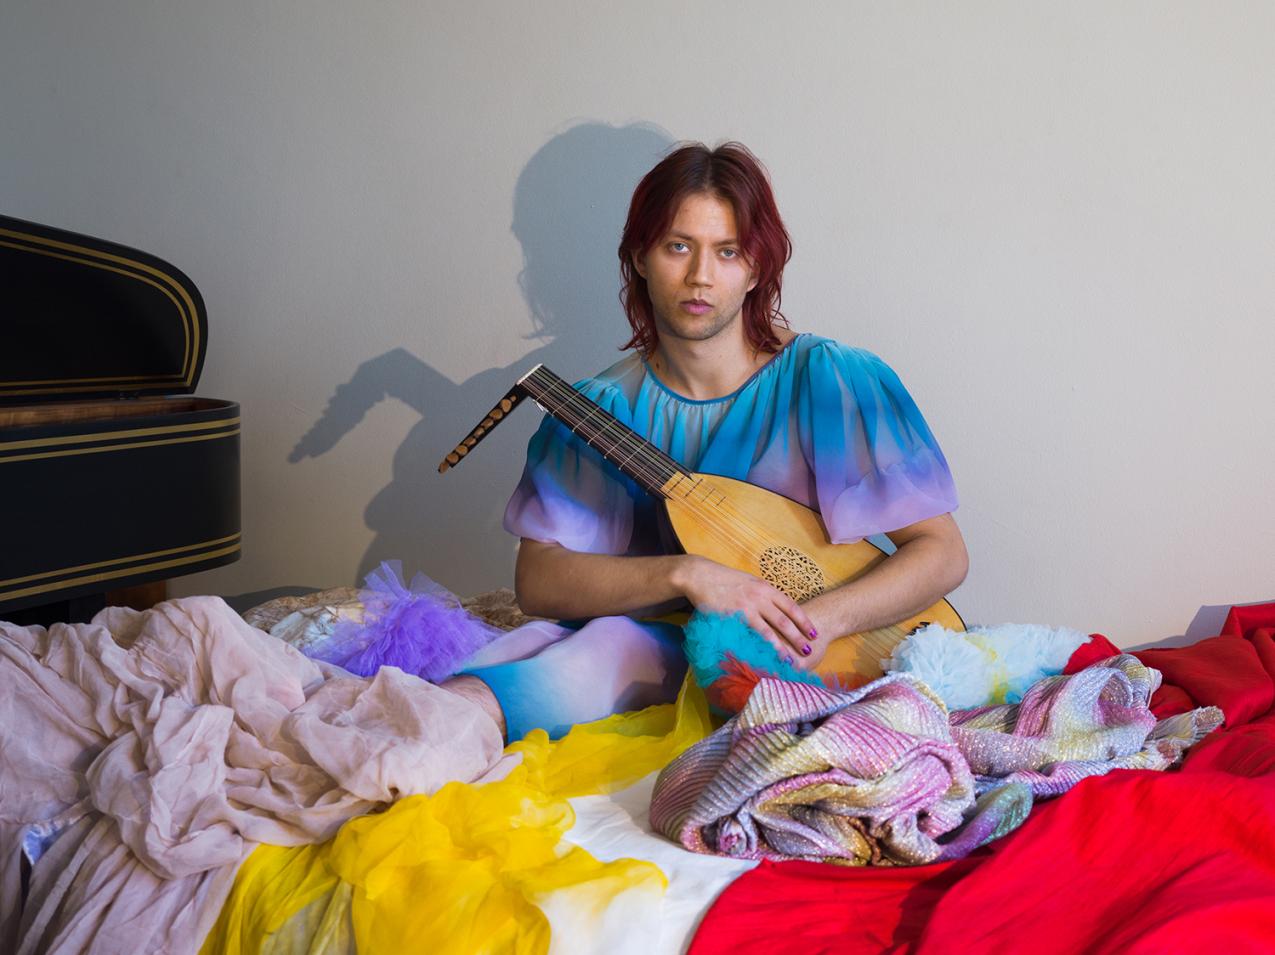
<point x="813" y="633"/>
<point x="805" y="651"/>
<point x="788" y="659"/>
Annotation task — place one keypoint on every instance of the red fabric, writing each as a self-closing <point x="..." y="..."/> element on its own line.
<point x="1219" y="671"/>
<point x="1098" y="648"/>
<point x="1136" y="862"/>
<point x="1248" y="621"/>
<point x="1170" y="700"/>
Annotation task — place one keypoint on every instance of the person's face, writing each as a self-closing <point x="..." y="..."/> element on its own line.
<point x="696" y="274"/>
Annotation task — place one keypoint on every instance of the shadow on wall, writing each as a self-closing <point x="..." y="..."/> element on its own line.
<point x="570" y="202"/>
<point x="1207" y="622"/>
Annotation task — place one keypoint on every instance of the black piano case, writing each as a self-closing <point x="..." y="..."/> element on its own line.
<point x="111" y="473"/>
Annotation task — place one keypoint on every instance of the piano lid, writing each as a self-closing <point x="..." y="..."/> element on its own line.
<point x="85" y="318"/>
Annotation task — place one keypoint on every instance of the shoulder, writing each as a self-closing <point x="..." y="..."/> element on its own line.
<point x="819" y="357"/>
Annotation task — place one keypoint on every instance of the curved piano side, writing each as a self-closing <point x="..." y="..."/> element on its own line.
<point x="105" y="495"/>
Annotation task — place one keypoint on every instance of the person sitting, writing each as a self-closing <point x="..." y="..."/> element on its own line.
<point x="717" y="379"/>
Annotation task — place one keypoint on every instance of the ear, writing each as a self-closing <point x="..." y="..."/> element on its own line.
<point x="638" y="264"/>
<point x="752" y="282"/>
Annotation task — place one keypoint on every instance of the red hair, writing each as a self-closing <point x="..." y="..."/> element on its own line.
<point x="733" y="174"/>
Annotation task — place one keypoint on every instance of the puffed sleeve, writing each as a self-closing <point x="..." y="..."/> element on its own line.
<point x="569" y="494"/>
<point x="876" y="465"/>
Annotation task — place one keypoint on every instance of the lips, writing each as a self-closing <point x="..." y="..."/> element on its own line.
<point x="696" y="306"/>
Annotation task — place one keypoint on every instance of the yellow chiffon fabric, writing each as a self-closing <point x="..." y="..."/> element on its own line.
<point x="469" y="868"/>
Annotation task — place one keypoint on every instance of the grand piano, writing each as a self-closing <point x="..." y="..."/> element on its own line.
<point x="113" y="476"/>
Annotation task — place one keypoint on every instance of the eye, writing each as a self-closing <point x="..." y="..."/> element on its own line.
<point x="678" y="247"/>
<point x="730" y="253"/>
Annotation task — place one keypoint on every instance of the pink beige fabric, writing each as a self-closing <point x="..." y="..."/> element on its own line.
<point x="160" y="747"/>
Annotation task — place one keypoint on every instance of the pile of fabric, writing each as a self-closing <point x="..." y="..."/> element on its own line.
<point x="883" y="774"/>
<point x="143" y="756"/>
<point x="475" y="868"/>
<point x="1130" y="861"/>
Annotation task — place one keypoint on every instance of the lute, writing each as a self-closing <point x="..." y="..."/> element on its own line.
<point x="735" y="523"/>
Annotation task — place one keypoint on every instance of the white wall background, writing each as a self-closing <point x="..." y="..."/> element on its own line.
<point x="1057" y="221"/>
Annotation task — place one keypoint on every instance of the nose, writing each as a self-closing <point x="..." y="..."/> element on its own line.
<point x="699" y="272"/>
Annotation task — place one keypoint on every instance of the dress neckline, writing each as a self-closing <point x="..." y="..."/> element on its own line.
<point x="770" y="363"/>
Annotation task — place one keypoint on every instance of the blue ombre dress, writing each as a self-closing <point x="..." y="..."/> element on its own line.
<point x="824" y="424"/>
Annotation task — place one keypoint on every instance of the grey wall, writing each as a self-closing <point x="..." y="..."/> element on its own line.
<point x="1057" y="221"/>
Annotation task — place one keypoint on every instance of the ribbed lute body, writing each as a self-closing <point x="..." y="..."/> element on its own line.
<point x="735" y="523"/>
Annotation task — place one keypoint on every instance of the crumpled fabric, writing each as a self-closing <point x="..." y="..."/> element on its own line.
<point x="869" y="776"/>
<point x="144" y="755"/>
<point x="881" y="775"/>
<point x="1129" y="863"/>
<point x="472" y="868"/>
<point x="1070" y="727"/>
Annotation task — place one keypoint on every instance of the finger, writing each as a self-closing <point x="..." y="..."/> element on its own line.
<point x="797" y="614"/>
<point x="783" y="625"/>
<point x="806" y="643"/>
<point x="767" y="633"/>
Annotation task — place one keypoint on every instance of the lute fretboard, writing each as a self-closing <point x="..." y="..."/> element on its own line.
<point x="618" y="443"/>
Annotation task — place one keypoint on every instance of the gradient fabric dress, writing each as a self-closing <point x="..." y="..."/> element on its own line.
<point x="826" y="425"/>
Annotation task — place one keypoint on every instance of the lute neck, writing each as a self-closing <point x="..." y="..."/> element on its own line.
<point x="618" y="443"/>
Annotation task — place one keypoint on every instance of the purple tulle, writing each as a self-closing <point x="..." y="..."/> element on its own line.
<point x="421" y="628"/>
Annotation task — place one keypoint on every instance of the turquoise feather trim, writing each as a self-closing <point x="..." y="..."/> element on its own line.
<point x="711" y="637"/>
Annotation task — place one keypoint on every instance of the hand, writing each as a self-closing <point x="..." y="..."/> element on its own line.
<point x="780" y="620"/>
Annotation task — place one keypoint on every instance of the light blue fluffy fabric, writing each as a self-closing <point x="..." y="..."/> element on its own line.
<point x="984" y="665"/>
<point x="981" y="666"/>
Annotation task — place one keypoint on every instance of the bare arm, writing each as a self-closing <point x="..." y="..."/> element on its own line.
<point x="551" y="581"/>
<point x="931" y="561"/>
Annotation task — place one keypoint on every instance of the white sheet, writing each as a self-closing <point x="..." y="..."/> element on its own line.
<point x="618" y="826"/>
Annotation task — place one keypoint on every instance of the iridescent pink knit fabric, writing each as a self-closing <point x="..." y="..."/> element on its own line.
<point x="881" y="776"/>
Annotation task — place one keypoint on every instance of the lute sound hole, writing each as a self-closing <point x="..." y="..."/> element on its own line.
<point x="792" y="572"/>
